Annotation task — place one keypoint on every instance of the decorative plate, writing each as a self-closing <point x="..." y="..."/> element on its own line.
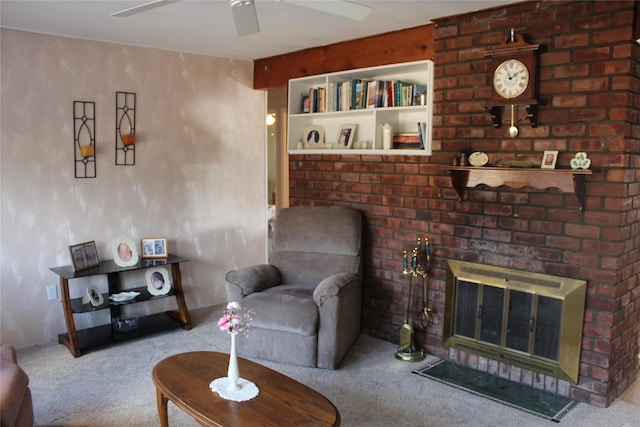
<point x="123" y="296"/>
<point x="478" y="158"/>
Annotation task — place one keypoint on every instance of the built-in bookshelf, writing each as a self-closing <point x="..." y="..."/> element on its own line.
<point x="363" y="101"/>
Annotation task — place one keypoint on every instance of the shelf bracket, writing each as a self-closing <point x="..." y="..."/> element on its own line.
<point x="496" y="114"/>
<point x="579" y="189"/>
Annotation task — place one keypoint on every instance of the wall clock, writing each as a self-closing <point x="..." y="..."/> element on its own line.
<point x="514" y="77"/>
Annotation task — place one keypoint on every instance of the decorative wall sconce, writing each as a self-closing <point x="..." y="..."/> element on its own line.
<point x="84" y="130"/>
<point x="125" y="128"/>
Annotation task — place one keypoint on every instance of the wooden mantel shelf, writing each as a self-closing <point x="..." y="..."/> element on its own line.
<point x="567" y="180"/>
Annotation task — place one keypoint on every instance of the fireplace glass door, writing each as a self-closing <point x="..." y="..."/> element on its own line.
<point x="520" y="315"/>
<point x="531" y="325"/>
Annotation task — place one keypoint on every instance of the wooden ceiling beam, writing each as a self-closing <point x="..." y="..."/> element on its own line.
<point x="412" y="44"/>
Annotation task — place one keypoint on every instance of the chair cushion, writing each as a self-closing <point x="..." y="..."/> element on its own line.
<point x="282" y="312"/>
<point x="302" y="291"/>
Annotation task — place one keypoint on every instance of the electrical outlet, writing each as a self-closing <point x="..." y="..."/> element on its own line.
<point x="52" y="292"/>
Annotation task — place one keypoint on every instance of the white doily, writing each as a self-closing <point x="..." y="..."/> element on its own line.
<point x="247" y="391"/>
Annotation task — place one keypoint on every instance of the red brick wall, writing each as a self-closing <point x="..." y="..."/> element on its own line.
<point x="590" y="94"/>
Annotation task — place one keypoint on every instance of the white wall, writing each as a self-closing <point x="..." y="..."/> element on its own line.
<point x="199" y="177"/>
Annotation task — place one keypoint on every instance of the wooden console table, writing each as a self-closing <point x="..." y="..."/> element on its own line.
<point x="79" y="340"/>
<point x="567" y="180"/>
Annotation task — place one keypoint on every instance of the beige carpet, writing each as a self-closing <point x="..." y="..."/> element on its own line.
<point x="113" y="387"/>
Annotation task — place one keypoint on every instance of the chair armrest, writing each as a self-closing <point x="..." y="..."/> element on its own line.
<point x="16" y="405"/>
<point x="339" y="299"/>
<point x="332" y="286"/>
<point x="248" y="280"/>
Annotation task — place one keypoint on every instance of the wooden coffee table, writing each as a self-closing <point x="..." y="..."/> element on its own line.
<point x="184" y="379"/>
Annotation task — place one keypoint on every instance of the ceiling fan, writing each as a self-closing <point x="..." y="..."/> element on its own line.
<point x="246" y="18"/>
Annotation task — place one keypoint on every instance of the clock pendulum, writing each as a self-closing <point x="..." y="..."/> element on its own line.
<point x="513" y="130"/>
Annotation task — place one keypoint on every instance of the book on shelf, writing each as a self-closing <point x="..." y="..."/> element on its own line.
<point x="406" y="140"/>
<point x="422" y="131"/>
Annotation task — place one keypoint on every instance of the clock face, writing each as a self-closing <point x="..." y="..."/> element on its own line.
<point x="511" y="79"/>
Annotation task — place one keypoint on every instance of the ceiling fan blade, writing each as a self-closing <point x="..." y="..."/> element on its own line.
<point x="141" y="8"/>
<point x="245" y="17"/>
<point x="343" y="8"/>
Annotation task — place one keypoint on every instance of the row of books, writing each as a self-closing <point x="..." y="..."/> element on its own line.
<point x="358" y="94"/>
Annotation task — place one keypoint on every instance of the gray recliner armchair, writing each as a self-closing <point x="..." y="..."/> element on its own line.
<point x="307" y="300"/>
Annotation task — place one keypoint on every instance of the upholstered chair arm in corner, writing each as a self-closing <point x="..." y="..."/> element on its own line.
<point x="339" y="300"/>
<point x="247" y="280"/>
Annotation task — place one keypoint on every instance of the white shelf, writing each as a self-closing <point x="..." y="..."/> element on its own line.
<point x="369" y="121"/>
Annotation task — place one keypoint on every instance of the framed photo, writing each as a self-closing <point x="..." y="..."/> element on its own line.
<point x="91" y="254"/>
<point x="313" y="136"/>
<point x="154" y="247"/>
<point x="549" y="160"/>
<point x="84" y="255"/>
<point x="305" y="103"/>
<point x="158" y="281"/>
<point x="346" y="135"/>
<point x="125" y="253"/>
<point x="93" y="296"/>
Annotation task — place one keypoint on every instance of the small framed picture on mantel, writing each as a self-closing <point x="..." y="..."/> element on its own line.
<point x="549" y="160"/>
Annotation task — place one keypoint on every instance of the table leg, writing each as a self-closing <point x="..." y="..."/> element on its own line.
<point x="162" y="409"/>
<point x="183" y="313"/>
<point x="71" y="341"/>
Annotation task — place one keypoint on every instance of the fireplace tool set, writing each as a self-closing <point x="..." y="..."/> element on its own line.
<point x="420" y="264"/>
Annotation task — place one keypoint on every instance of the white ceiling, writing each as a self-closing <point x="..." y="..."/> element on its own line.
<point x="206" y="27"/>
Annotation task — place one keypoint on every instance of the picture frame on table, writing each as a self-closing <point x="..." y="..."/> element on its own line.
<point x="91" y="254"/>
<point x="158" y="281"/>
<point x="549" y="159"/>
<point x="346" y="136"/>
<point x="93" y="296"/>
<point x="125" y="252"/>
<point x="305" y="103"/>
<point x="154" y="247"/>
<point x="84" y="255"/>
<point x="313" y="136"/>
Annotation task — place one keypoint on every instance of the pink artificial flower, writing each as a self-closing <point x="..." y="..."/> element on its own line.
<point x="223" y="323"/>
<point x="232" y="321"/>
<point x="233" y="305"/>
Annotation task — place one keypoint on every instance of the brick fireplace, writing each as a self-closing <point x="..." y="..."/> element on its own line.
<point x="590" y="97"/>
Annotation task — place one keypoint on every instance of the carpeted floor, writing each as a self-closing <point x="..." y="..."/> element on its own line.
<point x="113" y="387"/>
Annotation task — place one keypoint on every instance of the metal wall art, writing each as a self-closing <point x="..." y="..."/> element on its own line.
<point x="125" y="128"/>
<point x="84" y="142"/>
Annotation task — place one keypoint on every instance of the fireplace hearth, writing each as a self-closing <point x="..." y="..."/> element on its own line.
<point x="525" y="319"/>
